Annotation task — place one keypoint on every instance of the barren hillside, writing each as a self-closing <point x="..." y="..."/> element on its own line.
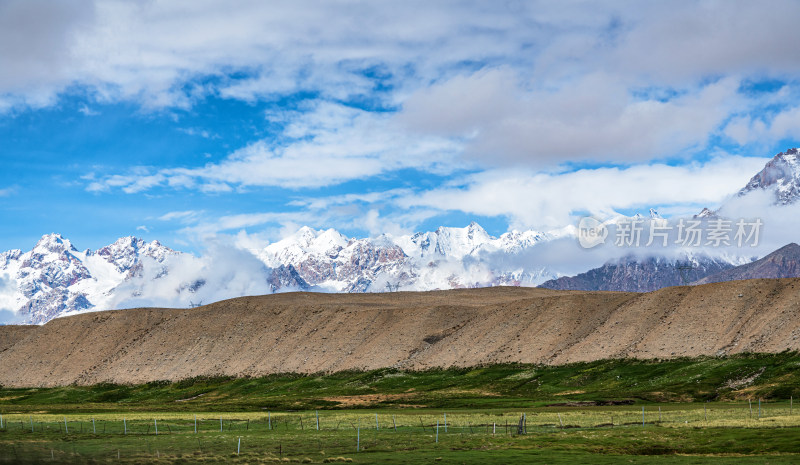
<point x="303" y="332"/>
<point x="9" y="335"/>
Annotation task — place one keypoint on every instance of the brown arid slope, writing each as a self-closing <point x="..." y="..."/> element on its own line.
<point x="309" y="333"/>
<point x="9" y="335"/>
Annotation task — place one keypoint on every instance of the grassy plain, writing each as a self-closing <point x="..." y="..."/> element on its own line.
<point x="695" y="411"/>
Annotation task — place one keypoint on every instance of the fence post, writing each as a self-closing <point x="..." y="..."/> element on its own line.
<point x="94" y="428"/>
<point x="195" y="424"/>
<point x="156" y="423"/>
<point x="445" y="422"/>
<point x="643" y="416"/>
<point x="437" y="430"/>
<point x="125" y="425"/>
<point x="66" y="430"/>
<point x="394" y="423"/>
<point x="239" y="446"/>
<point x="31" y="418"/>
<point x="318" y="419"/>
<point x="269" y="420"/>
<point x="220" y="424"/>
<point x="376" y="422"/>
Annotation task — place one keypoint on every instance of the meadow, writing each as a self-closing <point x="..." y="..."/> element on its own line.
<point x="708" y="410"/>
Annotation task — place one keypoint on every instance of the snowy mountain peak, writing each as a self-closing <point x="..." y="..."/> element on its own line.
<point x="305" y="235"/>
<point x="53" y="243"/>
<point x="781" y="175"/>
<point x="54" y="278"/>
<point x="706" y="213"/>
<point x="654" y="214"/>
<point x="126" y="252"/>
<point x="328" y="240"/>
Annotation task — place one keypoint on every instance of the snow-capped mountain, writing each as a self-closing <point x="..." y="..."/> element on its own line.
<point x="780" y="175"/>
<point x="441" y="259"/>
<point x="55" y="277"/>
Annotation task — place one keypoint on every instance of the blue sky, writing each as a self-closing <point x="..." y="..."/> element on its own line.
<point x="196" y="121"/>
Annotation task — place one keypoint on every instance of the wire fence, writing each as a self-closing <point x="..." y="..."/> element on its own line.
<point x="36" y="438"/>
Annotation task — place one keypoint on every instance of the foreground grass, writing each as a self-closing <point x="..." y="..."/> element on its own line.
<point x="767" y="376"/>
<point x="400" y="437"/>
<point x="684" y="411"/>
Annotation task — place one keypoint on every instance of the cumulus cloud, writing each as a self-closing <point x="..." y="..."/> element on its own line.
<point x="147" y="51"/>
<point x="594" y="117"/>
<point x="550" y="200"/>
<point x="153" y="52"/>
<point x="36" y="40"/>
<point x="222" y="272"/>
<point x="763" y="130"/>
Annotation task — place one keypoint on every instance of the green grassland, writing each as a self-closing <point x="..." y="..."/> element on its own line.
<point x="680" y="411"/>
<point x="769" y="376"/>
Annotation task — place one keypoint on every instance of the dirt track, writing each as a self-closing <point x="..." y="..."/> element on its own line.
<point x="309" y="333"/>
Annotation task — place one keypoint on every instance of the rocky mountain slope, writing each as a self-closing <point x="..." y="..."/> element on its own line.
<point x="309" y="333"/>
<point x="781" y="175"/>
<point x="782" y="263"/>
<point x="633" y="274"/>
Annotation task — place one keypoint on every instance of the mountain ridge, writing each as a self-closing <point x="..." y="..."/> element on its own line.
<point x="636" y="274"/>
<point x="56" y="279"/>
<point x="782" y="263"/>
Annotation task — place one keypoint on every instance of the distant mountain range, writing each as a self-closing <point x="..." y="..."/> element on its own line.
<point x="55" y="279"/>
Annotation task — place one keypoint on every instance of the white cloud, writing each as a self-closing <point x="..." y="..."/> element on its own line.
<point x="764" y="131"/>
<point x="330" y="144"/>
<point x="222" y="272"/>
<point x="594" y="117"/>
<point x="152" y="52"/>
<point x="542" y="200"/>
<point x="183" y="216"/>
<point x="86" y="111"/>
